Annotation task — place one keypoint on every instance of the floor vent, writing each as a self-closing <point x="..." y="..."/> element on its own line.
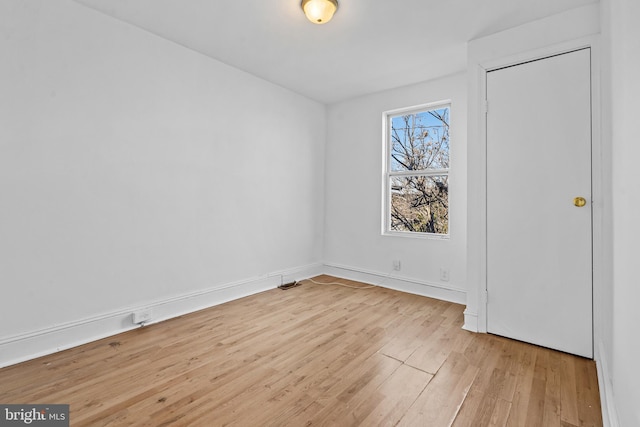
<point x="289" y="285"/>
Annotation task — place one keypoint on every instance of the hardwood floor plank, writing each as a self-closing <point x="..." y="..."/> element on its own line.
<point x="357" y="392"/>
<point x="568" y="391"/>
<point x="404" y="345"/>
<point x="589" y="409"/>
<point x="435" y="350"/>
<point x="552" y="413"/>
<point x="399" y="392"/>
<point x="524" y="384"/>
<point x="477" y="409"/>
<point x="535" y="408"/>
<point x="441" y="400"/>
<point x="500" y="413"/>
<point x="478" y="406"/>
<point x="312" y="355"/>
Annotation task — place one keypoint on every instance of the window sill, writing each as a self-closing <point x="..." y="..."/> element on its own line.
<point x="413" y="235"/>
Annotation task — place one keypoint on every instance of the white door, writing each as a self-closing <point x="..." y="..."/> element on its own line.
<point x="539" y="275"/>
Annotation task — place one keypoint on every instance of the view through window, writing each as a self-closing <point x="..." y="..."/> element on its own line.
<point x="417" y="171"/>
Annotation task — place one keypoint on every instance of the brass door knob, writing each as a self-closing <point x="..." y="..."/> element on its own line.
<point x="579" y="201"/>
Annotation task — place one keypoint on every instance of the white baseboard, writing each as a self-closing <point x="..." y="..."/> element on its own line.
<point x="20" y="348"/>
<point x="470" y="321"/>
<point x="404" y="284"/>
<point x="609" y="412"/>
<point x="27" y="346"/>
<point x="30" y="345"/>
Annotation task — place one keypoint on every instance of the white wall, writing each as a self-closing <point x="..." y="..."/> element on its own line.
<point x="133" y="170"/>
<point x="354" y="245"/>
<point x="624" y="33"/>
<point x="603" y="296"/>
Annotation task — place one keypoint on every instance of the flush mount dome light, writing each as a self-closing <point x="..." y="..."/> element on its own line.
<point x="319" y="11"/>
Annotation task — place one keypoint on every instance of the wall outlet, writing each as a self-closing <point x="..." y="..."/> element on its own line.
<point x="142" y="316"/>
<point x="444" y="274"/>
<point x="397" y="265"/>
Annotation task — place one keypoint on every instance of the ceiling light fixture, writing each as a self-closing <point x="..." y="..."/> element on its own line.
<point x="319" y="11"/>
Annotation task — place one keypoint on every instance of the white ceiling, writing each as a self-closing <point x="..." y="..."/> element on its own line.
<point x="370" y="45"/>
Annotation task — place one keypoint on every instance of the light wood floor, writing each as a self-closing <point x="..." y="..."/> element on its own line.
<point x="313" y="355"/>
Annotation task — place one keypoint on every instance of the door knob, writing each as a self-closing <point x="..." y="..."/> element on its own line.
<point x="579" y="201"/>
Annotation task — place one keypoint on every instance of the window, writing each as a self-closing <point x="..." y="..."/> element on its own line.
<point x="416" y="179"/>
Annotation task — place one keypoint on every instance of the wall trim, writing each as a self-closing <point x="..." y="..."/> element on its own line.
<point x="37" y="343"/>
<point x="398" y="283"/>
<point x="470" y="321"/>
<point x="607" y="402"/>
<point x="33" y="344"/>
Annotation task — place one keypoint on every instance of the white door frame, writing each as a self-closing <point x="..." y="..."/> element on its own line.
<point x="476" y="312"/>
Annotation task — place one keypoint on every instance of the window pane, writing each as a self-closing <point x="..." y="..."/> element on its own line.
<point x="420" y="204"/>
<point x="420" y="140"/>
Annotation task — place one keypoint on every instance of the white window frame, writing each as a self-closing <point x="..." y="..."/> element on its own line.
<point x="387" y="116"/>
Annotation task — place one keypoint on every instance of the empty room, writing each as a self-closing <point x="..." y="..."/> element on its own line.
<point x="319" y="212"/>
